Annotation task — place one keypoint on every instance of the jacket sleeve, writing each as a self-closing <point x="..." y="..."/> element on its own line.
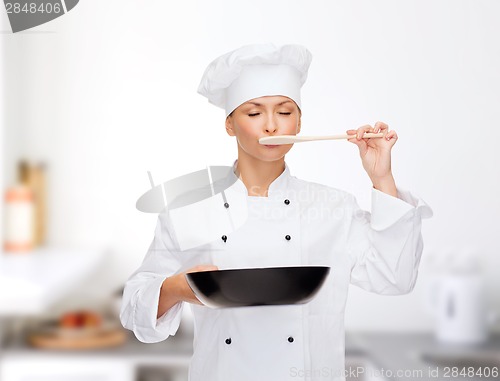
<point x="142" y="290"/>
<point x="386" y="245"/>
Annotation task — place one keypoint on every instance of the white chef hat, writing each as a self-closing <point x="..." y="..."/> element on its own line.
<point x="254" y="71"/>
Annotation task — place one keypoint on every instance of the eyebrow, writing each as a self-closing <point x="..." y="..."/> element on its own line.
<point x="260" y="104"/>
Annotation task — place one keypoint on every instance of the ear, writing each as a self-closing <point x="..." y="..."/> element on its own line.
<point x="299" y="124"/>
<point x="229" y="126"/>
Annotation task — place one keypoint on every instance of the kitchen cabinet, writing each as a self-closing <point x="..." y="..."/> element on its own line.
<point x="82" y="367"/>
<point x="133" y="361"/>
<point x="53" y="368"/>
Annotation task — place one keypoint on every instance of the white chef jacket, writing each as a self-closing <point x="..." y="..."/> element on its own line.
<point x="378" y="252"/>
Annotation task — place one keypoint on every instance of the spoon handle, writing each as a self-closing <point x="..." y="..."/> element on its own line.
<point x="289" y="139"/>
<point x="338" y="137"/>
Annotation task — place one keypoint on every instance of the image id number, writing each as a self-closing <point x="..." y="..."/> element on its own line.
<point x="33" y="8"/>
<point x="470" y="372"/>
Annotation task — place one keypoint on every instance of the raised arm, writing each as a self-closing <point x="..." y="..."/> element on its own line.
<point x="386" y="245"/>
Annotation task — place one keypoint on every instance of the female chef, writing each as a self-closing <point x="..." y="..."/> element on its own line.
<point x="290" y="222"/>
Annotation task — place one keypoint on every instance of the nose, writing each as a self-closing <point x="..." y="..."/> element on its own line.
<point x="271" y="126"/>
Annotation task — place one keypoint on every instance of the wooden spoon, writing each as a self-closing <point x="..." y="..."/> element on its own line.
<point x="290" y="139"/>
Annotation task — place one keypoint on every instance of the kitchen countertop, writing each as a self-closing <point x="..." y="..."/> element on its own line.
<point x="401" y="356"/>
<point x="175" y="350"/>
<point x="393" y="356"/>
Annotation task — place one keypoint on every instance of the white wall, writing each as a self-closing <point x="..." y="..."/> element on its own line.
<point x="2" y="127"/>
<point x="108" y="91"/>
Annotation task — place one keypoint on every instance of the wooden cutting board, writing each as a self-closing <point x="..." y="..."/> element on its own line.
<point x="78" y="339"/>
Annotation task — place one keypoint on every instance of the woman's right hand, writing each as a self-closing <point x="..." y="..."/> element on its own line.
<point x="175" y="289"/>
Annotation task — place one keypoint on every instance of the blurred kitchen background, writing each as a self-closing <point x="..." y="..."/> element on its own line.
<point x="93" y="100"/>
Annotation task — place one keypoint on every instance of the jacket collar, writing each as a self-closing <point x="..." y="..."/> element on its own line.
<point x="277" y="188"/>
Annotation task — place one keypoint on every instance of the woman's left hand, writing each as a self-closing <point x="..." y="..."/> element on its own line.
<point x="376" y="154"/>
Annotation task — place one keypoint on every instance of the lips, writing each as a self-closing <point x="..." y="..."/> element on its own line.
<point x="268" y="145"/>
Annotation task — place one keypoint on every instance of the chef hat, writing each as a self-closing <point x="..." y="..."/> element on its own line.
<point x="254" y="71"/>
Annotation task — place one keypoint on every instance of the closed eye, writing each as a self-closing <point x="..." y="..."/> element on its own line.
<point x="285" y="113"/>
<point x="254" y="114"/>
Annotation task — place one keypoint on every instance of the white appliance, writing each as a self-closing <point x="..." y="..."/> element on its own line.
<point x="458" y="304"/>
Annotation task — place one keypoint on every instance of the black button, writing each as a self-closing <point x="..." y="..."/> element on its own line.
<point x="224" y="238"/>
<point x="226" y="205"/>
<point x="290" y="339"/>
<point x="287" y="202"/>
<point x="228" y="341"/>
<point x="288" y="238"/>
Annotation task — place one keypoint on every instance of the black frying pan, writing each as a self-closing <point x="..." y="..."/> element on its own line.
<point x="257" y="286"/>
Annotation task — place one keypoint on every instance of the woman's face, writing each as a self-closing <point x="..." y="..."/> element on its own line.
<point x="260" y="117"/>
